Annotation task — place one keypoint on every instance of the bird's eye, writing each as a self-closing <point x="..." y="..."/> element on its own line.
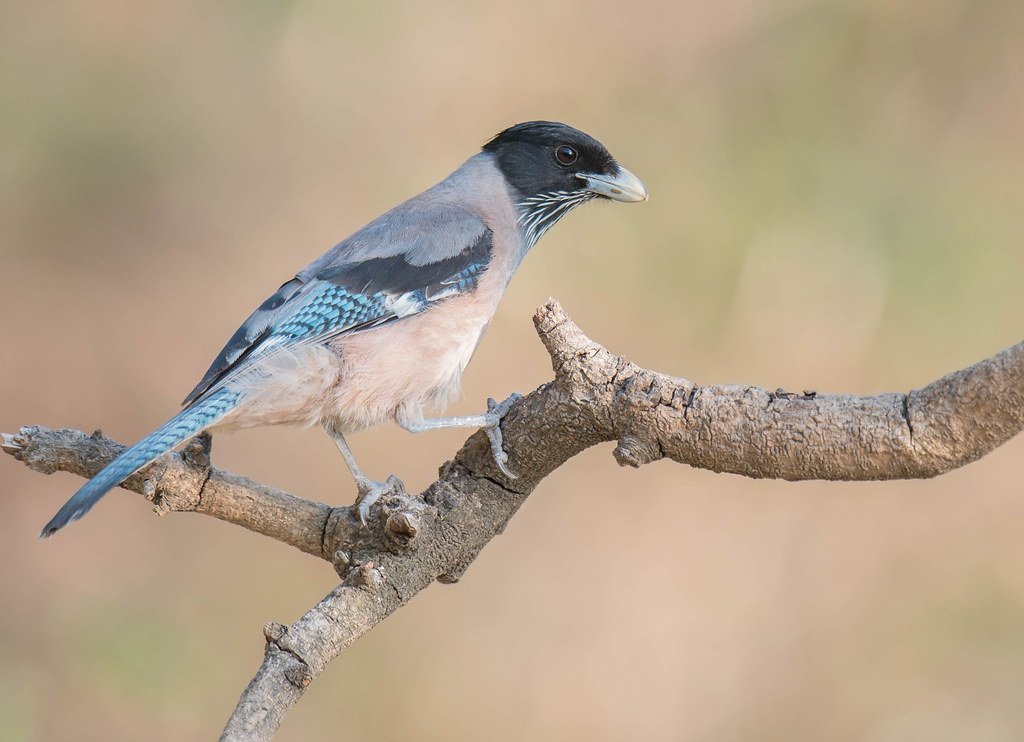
<point x="566" y="155"/>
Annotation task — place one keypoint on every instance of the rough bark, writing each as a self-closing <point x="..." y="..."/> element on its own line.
<point x="595" y="397"/>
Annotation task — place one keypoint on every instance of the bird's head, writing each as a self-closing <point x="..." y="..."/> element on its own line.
<point x="553" y="168"/>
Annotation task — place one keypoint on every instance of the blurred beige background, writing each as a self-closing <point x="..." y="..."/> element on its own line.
<point x="837" y="203"/>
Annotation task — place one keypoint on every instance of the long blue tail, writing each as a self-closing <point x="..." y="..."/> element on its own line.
<point x="178" y="429"/>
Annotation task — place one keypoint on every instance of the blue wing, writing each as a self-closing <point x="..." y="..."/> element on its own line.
<point x="325" y="302"/>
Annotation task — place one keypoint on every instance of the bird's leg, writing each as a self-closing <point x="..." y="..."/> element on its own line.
<point x="489" y="421"/>
<point x="369" y="490"/>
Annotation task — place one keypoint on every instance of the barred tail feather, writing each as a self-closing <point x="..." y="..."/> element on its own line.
<point x="178" y="429"/>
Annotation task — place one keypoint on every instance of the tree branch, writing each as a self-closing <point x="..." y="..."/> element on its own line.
<point x="595" y="397"/>
<point x="183" y="482"/>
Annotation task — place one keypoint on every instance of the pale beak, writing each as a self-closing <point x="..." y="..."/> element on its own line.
<point x="622" y="186"/>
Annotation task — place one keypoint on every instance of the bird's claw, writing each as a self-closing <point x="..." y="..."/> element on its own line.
<point x="495" y="412"/>
<point x="370" y="492"/>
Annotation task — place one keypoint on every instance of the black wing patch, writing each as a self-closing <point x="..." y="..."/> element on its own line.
<point x="396" y="275"/>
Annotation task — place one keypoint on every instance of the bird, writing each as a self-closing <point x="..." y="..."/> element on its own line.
<point x="381" y="327"/>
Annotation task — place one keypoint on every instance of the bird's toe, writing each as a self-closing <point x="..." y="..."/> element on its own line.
<point x="370" y="492"/>
<point x="500" y="409"/>
<point x="498" y="448"/>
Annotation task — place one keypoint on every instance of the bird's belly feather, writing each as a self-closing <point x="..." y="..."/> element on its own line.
<point x="407" y="368"/>
<point x="290" y="387"/>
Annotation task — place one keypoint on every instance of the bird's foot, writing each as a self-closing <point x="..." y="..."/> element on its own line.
<point x="370" y="492"/>
<point x="495" y="412"/>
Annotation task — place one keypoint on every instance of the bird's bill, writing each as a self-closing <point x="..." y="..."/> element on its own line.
<point x="622" y="186"/>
